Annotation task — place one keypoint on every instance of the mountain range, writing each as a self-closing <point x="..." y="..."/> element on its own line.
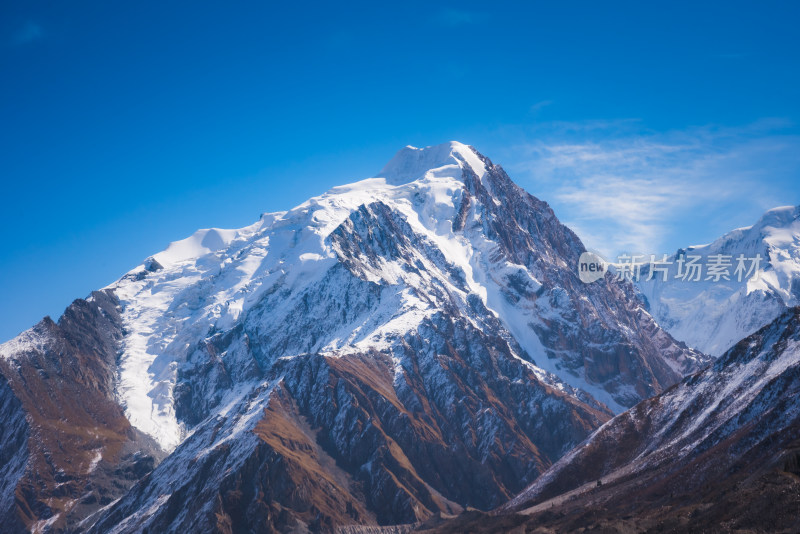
<point x="407" y="348"/>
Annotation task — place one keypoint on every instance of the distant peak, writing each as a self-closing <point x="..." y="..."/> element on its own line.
<point x="412" y="163"/>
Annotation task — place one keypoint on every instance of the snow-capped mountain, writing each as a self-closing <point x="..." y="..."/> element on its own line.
<point x="408" y="344"/>
<point x="713" y="313"/>
<point x="719" y="448"/>
<point x="472" y="236"/>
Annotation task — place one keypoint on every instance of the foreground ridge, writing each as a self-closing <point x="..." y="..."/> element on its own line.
<point x="720" y="448"/>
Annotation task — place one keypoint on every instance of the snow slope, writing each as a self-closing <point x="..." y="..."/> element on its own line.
<point x="205" y="282"/>
<point x="712" y="315"/>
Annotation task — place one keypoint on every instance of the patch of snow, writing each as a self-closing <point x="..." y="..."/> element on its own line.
<point x="98" y="455"/>
<point x="43" y="525"/>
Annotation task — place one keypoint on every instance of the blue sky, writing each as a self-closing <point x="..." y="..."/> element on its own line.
<point x="124" y="126"/>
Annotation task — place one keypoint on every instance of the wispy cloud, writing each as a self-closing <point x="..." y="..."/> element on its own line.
<point x="28" y="33"/>
<point x="623" y="188"/>
<point x="538" y="106"/>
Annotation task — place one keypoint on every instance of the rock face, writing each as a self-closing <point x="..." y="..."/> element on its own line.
<point x="67" y="447"/>
<point x="713" y="314"/>
<point x="406" y="345"/>
<point x="718" y="448"/>
<point x="13" y="455"/>
<point x="332" y="442"/>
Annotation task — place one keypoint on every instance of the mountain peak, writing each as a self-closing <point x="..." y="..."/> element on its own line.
<point x="394" y="317"/>
<point x="779" y="217"/>
<point x="412" y="163"/>
<point x="712" y="315"/>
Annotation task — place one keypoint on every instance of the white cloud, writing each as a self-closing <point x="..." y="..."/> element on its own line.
<point x="538" y="106"/>
<point x="623" y="188"/>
